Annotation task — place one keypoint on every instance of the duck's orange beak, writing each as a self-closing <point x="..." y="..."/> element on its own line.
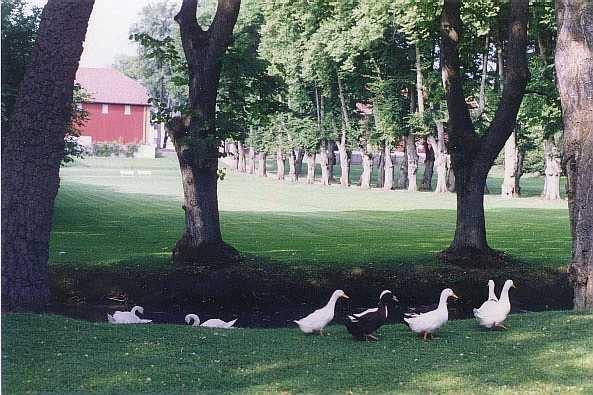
<point x="346" y="296"/>
<point x="455" y="296"/>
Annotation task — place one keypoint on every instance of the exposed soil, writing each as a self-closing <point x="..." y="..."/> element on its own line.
<point x="263" y="294"/>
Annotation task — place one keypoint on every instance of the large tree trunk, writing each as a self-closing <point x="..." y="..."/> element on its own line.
<point x="279" y="164"/>
<point x="32" y="150"/>
<point x="552" y="170"/>
<point x="388" y="169"/>
<point x="251" y="161"/>
<point x="311" y="167"/>
<point x="402" y="180"/>
<point x="262" y="158"/>
<point x="241" y="166"/>
<point x="292" y="170"/>
<point x="574" y="70"/>
<point x="472" y="155"/>
<point x="196" y="140"/>
<point x="429" y="160"/>
<point x="325" y="163"/>
<point x="509" y="182"/>
<point x="412" y="155"/>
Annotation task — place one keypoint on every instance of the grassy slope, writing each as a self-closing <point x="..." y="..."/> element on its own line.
<point x="541" y="353"/>
<point x="102" y="218"/>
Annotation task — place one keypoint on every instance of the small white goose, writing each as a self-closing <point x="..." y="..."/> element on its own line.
<point x="317" y="320"/>
<point x="211" y="323"/>
<point x="127" y="317"/>
<point x="493" y="313"/>
<point x="430" y="322"/>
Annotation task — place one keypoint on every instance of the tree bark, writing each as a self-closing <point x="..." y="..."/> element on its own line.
<point x="574" y="70"/>
<point x="241" y="166"/>
<point x="196" y="141"/>
<point x="331" y="160"/>
<point x="345" y="159"/>
<point x="509" y="182"/>
<point x="298" y="162"/>
<point x="262" y="158"/>
<point x="429" y="160"/>
<point x="251" y="161"/>
<point x="412" y="155"/>
<point x="32" y="151"/>
<point x="472" y="155"/>
<point x="311" y="167"/>
<point x="552" y="170"/>
<point x="388" y="168"/>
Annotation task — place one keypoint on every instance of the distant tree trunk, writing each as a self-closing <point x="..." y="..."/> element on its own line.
<point x="428" y="167"/>
<point x="262" y="158"/>
<point x="510" y="167"/>
<point x="419" y="80"/>
<point x="233" y="156"/>
<point x="298" y="161"/>
<point x="412" y="163"/>
<point x="381" y="168"/>
<point x="451" y="175"/>
<point x="367" y="168"/>
<point x="292" y="170"/>
<point x="402" y="181"/>
<point x="311" y="167"/>
<point x="331" y="160"/>
<point x="196" y="140"/>
<point x="32" y="150"/>
<point x="574" y="70"/>
<point x="279" y="164"/>
<point x="241" y="166"/>
<point x="344" y="162"/>
<point x="324" y="161"/>
<point x="251" y="161"/>
<point x="552" y="170"/>
<point x="519" y="173"/>
<point x="388" y="177"/>
<point x="440" y="153"/>
<point x="472" y="155"/>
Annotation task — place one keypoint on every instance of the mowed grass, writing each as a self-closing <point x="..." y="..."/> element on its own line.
<point x="103" y="218"/>
<point x="541" y="353"/>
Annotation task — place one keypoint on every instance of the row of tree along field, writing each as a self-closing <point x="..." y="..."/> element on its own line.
<point x="301" y="81"/>
<point x="468" y="79"/>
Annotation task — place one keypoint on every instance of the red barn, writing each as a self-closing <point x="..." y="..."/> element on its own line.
<point x="118" y="108"/>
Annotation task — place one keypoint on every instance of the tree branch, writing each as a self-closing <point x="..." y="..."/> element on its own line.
<point x="221" y="29"/>
<point x="461" y="127"/>
<point x="516" y="76"/>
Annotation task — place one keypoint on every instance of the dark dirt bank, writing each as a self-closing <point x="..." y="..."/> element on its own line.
<point x="264" y="294"/>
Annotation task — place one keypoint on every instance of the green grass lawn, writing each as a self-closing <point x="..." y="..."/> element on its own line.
<point x="102" y="218"/>
<point x="542" y="353"/>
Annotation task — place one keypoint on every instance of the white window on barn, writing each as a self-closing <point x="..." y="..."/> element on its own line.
<point x="104" y="108"/>
<point x="127" y="109"/>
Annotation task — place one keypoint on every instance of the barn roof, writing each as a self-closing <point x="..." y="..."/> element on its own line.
<point x="111" y="86"/>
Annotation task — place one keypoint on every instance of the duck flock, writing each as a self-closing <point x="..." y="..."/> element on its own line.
<point x="363" y="326"/>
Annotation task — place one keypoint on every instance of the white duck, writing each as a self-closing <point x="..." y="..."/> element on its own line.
<point x="317" y="320"/>
<point x="432" y="321"/>
<point x="211" y="323"/>
<point x="127" y="317"/>
<point x="493" y="313"/>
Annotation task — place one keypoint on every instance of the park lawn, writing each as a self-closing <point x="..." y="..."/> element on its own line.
<point x="102" y="218"/>
<point x="542" y="353"/>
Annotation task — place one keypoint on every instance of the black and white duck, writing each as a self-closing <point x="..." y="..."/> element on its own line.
<point x="362" y="326"/>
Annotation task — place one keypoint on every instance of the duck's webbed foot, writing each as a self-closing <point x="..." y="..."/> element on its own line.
<point x="501" y="326"/>
<point x="371" y="337"/>
<point x="321" y="332"/>
<point x="425" y="335"/>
